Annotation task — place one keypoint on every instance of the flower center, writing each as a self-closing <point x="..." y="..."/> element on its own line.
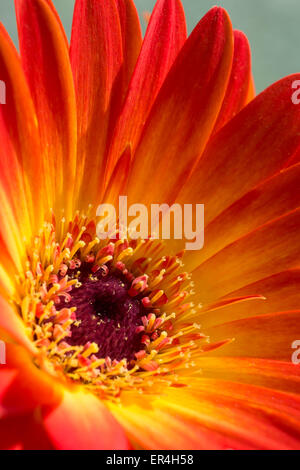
<point x="107" y="315"/>
<point x="111" y="315"/>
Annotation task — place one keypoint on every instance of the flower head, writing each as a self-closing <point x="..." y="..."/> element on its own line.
<point x="125" y="341"/>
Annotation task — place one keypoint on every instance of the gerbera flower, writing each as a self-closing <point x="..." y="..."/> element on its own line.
<point x="123" y="343"/>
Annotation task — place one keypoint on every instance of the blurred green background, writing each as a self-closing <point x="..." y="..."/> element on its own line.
<point x="272" y="27"/>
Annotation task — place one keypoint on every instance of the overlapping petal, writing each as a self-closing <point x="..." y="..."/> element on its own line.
<point x="252" y="147"/>
<point x="131" y="38"/>
<point x="20" y="160"/>
<point x="238" y="92"/>
<point x="278" y="292"/>
<point x="12" y="324"/>
<point x="164" y="38"/>
<point x="267" y="336"/>
<point x="268" y="250"/>
<point x="184" y="112"/>
<point x="273" y="374"/>
<point x="214" y="414"/>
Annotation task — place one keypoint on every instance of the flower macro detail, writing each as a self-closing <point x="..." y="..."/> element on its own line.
<point x="126" y="342"/>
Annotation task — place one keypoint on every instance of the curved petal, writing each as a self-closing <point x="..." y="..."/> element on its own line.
<point x="164" y="38"/>
<point x="96" y="58"/>
<point x="268" y="250"/>
<point x="184" y="112"/>
<point x="49" y="75"/>
<point x="82" y="422"/>
<point x="276" y="293"/>
<point x="132" y="39"/>
<point x="252" y="147"/>
<point x="251" y="91"/>
<point x="237" y="93"/>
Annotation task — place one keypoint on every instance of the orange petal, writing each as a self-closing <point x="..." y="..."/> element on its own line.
<point x="203" y="417"/>
<point x="266" y="336"/>
<point x="9" y="264"/>
<point x="252" y="147"/>
<point x="119" y="179"/>
<point x="164" y="38"/>
<point x="96" y="57"/>
<point x="185" y="111"/>
<point x="267" y="201"/>
<point x="82" y="422"/>
<point x="276" y="293"/>
<point x="156" y="426"/>
<point x="49" y="75"/>
<point x="266" y="419"/>
<point x="270" y="249"/>
<point x="251" y="91"/>
<point x="237" y="92"/>
<point x="255" y="371"/>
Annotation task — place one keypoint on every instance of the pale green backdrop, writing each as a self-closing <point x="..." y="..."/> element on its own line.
<point x="272" y="27"/>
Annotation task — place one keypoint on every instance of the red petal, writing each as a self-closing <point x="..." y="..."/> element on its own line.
<point x="24" y="387"/>
<point x="24" y="432"/>
<point x="237" y="93"/>
<point x="96" y="57"/>
<point x="132" y="38"/>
